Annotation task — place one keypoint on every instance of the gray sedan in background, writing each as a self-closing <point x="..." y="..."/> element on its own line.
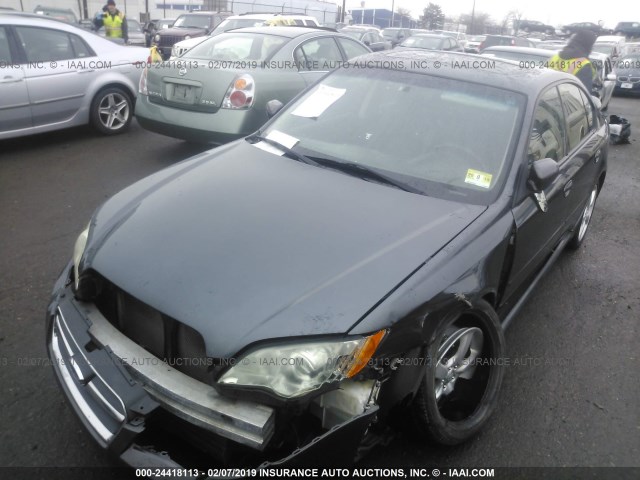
<point x="56" y="76"/>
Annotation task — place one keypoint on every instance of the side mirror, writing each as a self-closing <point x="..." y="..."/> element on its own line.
<point x="612" y="76"/>
<point x="367" y="43"/>
<point x="542" y="173"/>
<point x="596" y="102"/>
<point x="273" y="107"/>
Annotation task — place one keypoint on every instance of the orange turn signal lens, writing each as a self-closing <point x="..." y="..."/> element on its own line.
<point x="240" y="84"/>
<point x="362" y="356"/>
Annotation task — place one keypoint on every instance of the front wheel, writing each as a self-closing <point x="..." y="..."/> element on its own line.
<point x="111" y="111"/>
<point x="585" y="220"/>
<point x="462" y="378"/>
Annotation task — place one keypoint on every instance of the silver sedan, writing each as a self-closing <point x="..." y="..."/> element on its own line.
<point x="54" y="75"/>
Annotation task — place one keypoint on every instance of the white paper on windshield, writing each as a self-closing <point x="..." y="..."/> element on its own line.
<point x="282" y="138"/>
<point x="268" y="148"/>
<point x="316" y="103"/>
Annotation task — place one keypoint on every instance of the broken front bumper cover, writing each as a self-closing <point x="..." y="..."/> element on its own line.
<point x="114" y="385"/>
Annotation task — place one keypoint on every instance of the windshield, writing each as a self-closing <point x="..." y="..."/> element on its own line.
<point x="192" y="21"/>
<point x="477" y="38"/>
<point x="410" y="127"/>
<point x="133" y="25"/>
<point x="237" y="46"/>
<point x="239" y="23"/>
<point x="431" y="43"/>
<point x="603" y="48"/>
<point x="631" y="62"/>
<point x="353" y="33"/>
<point x="164" y="24"/>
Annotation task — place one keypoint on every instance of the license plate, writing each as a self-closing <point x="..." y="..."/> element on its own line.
<point x="626" y="85"/>
<point x="181" y="92"/>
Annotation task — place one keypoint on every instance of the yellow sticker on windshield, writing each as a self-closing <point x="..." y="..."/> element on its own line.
<point x="478" y="178"/>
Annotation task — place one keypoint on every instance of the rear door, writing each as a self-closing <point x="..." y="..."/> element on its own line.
<point x="584" y="147"/>
<point x="59" y="66"/>
<point x="15" y="111"/>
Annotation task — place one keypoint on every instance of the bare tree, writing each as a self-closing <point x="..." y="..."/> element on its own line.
<point x="511" y="22"/>
<point x="481" y="21"/>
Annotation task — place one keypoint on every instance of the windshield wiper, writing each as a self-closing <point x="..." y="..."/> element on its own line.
<point x="288" y="151"/>
<point x="363" y="171"/>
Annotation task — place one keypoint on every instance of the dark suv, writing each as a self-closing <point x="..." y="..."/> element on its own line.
<point x="535" y="26"/>
<point x="628" y="29"/>
<point x="504" y="40"/>
<point x="189" y="25"/>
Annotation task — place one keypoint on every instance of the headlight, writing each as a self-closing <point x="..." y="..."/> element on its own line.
<point x="157" y="38"/>
<point x="187" y="37"/>
<point x="293" y="370"/>
<point x="78" y="251"/>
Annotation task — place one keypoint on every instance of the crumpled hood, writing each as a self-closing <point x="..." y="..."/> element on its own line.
<point x="243" y="245"/>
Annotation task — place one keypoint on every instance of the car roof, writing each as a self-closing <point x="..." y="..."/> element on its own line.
<point x="25" y="18"/>
<point x="289" y="31"/>
<point x="205" y="14"/>
<point x="504" y="74"/>
<point x="527" y="50"/>
<point x="430" y="35"/>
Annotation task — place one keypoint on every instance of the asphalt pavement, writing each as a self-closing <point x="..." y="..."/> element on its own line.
<point x="571" y="394"/>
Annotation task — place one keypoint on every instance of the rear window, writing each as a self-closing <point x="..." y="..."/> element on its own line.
<point x="423" y="42"/>
<point x="239" y="23"/>
<point x="237" y="46"/>
<point x="193" y="21"/>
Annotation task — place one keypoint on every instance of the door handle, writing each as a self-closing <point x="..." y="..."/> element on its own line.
<point x="9" y="79"/>
<point x="596" y="157"/>
<point x="567" y="188"/>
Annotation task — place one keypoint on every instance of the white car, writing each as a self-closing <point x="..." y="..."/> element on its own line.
<point x="245" y="21"/>
<point x="56" y="76"/>
<point x="611" y="45"/>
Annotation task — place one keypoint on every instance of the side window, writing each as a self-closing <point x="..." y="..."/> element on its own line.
<point x="319" y="54"/>
<point x="352" y="48"/>
<point x="5" y="52"/>
<point x="80" y="48"/>
<point x="590" y="110"/>
<point x="548" y="133"/>
<point x="45" y="45"/>
<point x="575" y="113"/>
<point x="299" y="22"/>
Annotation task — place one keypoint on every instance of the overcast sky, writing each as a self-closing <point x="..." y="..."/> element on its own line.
<point x="553" y="12"/>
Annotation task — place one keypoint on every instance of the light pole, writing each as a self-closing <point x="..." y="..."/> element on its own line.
<point x="393" y="13"/>
<point x="473" y="14"/>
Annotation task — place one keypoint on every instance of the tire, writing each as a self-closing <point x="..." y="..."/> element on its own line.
<point x="453" y="404"/>
<point x="585" y="220"/>
<point x="111" y="111"/>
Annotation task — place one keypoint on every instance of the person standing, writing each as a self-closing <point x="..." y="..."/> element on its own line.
<point x="113" y="21"/>
<point x="574" y="58"/>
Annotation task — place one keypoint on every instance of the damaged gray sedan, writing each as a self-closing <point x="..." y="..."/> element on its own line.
<point x="282" y="299"/>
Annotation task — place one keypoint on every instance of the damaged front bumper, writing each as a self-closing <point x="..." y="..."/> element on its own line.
<point x="118" y="389"/>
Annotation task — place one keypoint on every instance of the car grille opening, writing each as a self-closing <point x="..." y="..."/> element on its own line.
<point x="179" y="345"/>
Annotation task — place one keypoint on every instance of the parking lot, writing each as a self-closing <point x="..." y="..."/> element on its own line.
<point x="570" y="395"/>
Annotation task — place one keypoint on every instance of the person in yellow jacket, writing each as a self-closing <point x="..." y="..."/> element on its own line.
<point x="574" y="58"/>
<point x="113" y="21"/>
